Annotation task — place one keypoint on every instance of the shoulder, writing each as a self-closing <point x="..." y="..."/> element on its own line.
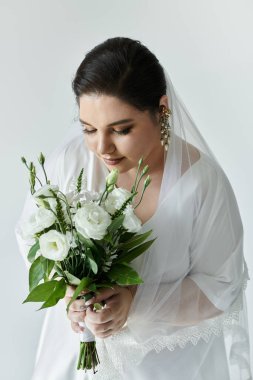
<point x="69" y="161"/>
<point x="204" y="169"/>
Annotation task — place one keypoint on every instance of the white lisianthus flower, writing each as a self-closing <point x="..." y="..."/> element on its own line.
<point x="91" y="221"/>
<point x="44" y="190"/>
<point x="85" y="197"/>
<point x="131" y="222"/>
<point x="115" y="199"/>
<point x="37" y="222"/>
<point x="54" y="245"/>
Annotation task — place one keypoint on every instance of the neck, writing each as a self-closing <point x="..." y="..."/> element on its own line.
<point x="155" y="162"/>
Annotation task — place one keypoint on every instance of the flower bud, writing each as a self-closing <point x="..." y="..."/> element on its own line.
<point x="23" y="160"/>
<point x="110" y="188"/>
<point x="112" y="177"/>
<point x="140" y="161"/>
<point x="147" y="181"/>
<point x="41" y="159"/>
<point x="145" y="170"/>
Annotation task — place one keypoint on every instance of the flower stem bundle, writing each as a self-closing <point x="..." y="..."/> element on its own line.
<point x="83" y="239"/>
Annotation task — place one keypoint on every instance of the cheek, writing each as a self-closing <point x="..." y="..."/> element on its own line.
<point x="90" y="143"/>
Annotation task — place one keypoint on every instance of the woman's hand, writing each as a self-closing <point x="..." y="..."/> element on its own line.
<point x="113" y="316"/>
<point x="77" y="309"/>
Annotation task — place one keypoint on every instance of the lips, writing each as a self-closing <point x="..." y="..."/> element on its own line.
<point x="112" y="161"/>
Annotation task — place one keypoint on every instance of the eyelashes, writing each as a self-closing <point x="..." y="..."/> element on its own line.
<point x="123" y="132"/>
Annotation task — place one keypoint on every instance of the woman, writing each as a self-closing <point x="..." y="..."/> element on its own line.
<point x="188" y="319"/>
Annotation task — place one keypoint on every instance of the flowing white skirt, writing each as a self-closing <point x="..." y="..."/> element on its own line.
<point x="59" y="348"/>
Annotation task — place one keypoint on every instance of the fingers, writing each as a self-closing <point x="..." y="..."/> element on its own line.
<point x="101" y="330"/>
<point x="103" y="295"/>
<point x="76" y="328"/>
<point x="103" y="316"/>
<point x="77" y="311"/>
<point x="76" y="316"/>
<point x="77" y="305"/>
<point x="71" y="289"/>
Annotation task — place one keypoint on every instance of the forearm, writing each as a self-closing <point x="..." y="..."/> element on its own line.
<point x="193" y="306"/>
<point x="181" y="304"/>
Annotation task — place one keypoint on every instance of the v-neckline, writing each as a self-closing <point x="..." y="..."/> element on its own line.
<point x="158" y="208"/>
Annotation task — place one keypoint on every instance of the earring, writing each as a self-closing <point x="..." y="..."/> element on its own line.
<point x="165" y="126"/>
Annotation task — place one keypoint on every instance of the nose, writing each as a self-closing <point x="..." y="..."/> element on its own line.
<point x="105" y="145"/>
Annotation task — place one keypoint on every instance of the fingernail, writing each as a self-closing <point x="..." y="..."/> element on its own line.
<point x="89" y="302"/>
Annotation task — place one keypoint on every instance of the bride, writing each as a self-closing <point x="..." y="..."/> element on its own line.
<point x="188" y="319"/>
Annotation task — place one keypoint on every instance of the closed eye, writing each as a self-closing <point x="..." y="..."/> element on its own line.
<point x="124" y="131"/>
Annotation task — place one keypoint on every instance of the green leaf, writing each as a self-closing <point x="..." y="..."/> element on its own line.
<point x="85" y="282"/>
<point x="46" y="204"/>
<point x="87" y="242"/>
<point x="91" y="260"/>
<point x="59" y="270"/>
<point x="92" y="287"/>
<point x="108" y="238"/>
<point x="116" y="224"/>
<point x="123" y="274"/>
<point x="32" y="252"/>
<point x="134" y="241"/>
<point x="36" y="272"/>
<point x="57" y="294"/>
<point x="131" y="255"/>
<point x="55" y="275"/>
<point x="73" y="280"/>
<point x="106" y="285"/>
<point x="125" y="237"/>
<point x="48" y="266"/>
<point x="41" y="292"/>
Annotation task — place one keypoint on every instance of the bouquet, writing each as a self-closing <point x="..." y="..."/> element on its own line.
<point x="84" y="239"/>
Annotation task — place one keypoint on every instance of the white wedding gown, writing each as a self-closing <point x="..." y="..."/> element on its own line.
<point x="59" y="346"/>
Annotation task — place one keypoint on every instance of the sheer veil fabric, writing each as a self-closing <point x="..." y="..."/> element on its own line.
<point x="189" y="317"/>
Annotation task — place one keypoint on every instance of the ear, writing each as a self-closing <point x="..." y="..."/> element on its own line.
<point x="164" y="101"/>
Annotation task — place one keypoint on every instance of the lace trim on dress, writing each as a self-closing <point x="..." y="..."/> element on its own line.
<point x="121" y="349"/>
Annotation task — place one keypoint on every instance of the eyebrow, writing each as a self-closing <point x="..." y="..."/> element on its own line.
<point x="123" y="121"/>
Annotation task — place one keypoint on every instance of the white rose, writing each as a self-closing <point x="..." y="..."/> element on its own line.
<point x="54" y="245"/>
<point x="131" y="222"/>
<point x="37" y="222"/>
<point x="115" y="199"/>
<point x="91" y="221"/>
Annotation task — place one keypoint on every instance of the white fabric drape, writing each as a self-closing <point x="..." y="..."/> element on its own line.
<point x="189" y="317"/>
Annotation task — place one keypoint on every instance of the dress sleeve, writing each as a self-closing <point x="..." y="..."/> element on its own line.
<point x="216" y="248"/>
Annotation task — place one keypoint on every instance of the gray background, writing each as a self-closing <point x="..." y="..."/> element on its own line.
<point x="206" y="47"/>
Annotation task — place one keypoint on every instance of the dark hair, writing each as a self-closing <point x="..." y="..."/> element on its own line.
<point x="123" y="68"/>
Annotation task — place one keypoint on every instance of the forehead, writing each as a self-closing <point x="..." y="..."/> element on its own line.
<point x="106" y="108"/>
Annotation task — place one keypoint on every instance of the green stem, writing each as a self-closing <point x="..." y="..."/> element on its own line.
<point x="134" y="189"/>
<point x="102" y="197"/>
<point x="45" y="174"/>
<point x="143" y="191"/>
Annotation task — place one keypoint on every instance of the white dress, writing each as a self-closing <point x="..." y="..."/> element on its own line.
<point x="59" y="346"/>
